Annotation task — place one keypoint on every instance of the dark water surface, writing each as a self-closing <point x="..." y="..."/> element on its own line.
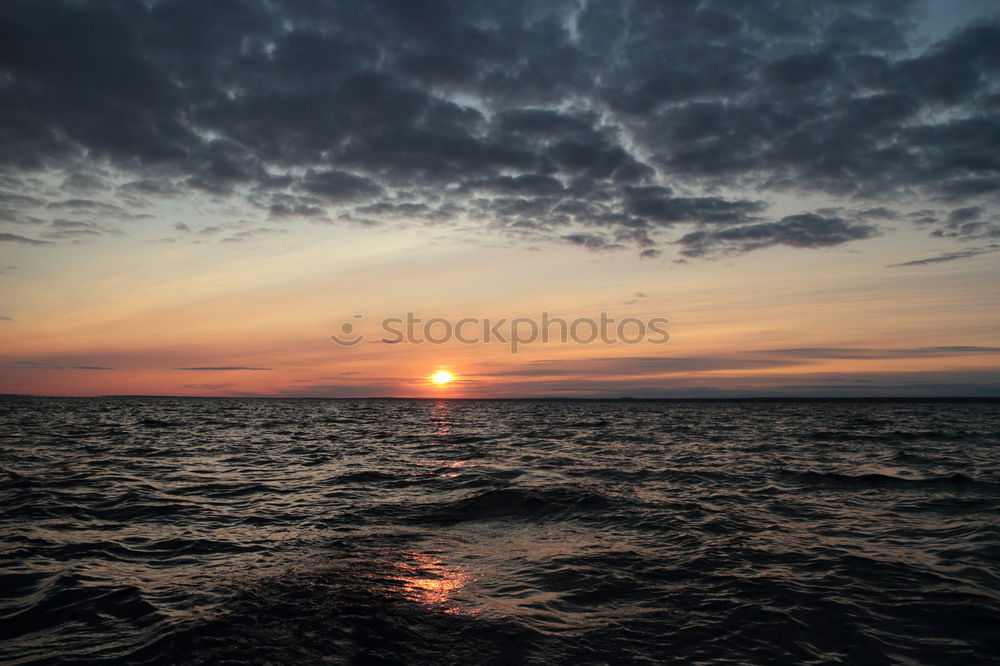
<point x="184" y="530"/>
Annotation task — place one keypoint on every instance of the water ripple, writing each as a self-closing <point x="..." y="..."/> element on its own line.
<point x="205" y="531"/>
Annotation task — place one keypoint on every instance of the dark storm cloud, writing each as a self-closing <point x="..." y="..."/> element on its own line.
<point x="657" y="204"/>
<point x="562" y="119"/>
<point x="338" y="186"/>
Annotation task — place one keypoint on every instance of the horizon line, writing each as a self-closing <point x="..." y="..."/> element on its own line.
<point x="762" y="398"/>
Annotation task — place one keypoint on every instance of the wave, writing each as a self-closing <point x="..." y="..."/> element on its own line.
<point x="875" y="480"/>
<point x="521" y="503"/>
<point x="237" y="531"/>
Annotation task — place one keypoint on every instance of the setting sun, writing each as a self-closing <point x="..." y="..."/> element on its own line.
<point x="442" y="377"/>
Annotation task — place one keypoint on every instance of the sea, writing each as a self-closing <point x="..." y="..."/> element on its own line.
<point x="208" y="531"/>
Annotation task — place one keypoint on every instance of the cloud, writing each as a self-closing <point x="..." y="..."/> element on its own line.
<point x="246" y="234"/>
<point x="19" y="200"/>
<point x="591" y="241"/>
<point x="90" y="207"/>
<point x="848" y="352"/>
<point x="37" y="365"/>
<point x="537" y="121"/>
<point x="15" y="238"/>
<point x="222" y="367"/>
<point x="968" y="223"/>
<point x="617" y="369"/>
<point x="339" y="186"/>
<point x="76" y="230"/>
<point x="657" y="204"/>
<point x="801" y="231"/>
<point x="283" y="206"/>
<point x="639" y="365"/>
<point x="84" y="182"/>
<point x="950" y="256"/>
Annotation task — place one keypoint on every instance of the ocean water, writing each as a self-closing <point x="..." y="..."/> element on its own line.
<point x="376" y="531"/>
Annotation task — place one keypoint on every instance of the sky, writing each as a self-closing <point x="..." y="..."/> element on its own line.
<point x="195" y="196"/>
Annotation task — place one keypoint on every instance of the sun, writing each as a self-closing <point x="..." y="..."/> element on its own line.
<point x="442" y="377"/>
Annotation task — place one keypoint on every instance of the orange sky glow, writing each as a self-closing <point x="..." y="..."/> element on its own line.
<point x="179" y="221"/>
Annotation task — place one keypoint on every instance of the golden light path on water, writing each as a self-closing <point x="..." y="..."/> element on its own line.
<point x="427" y="579"/>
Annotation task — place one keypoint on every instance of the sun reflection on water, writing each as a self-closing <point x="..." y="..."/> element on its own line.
<point x="441" y="420"/>
<point x="426" y="579"/>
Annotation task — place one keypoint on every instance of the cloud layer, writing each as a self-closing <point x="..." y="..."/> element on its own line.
<point x="601" y="124"/>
